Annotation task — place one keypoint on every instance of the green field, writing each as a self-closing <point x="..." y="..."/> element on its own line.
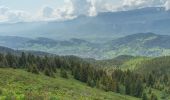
<point x="18" y="84"/>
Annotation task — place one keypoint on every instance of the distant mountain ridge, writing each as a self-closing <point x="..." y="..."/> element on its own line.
<point x="151" y="19"/>
<point x="6" y="50"/>
<point x="141" y="44"/>
<point x="149" y="39"/>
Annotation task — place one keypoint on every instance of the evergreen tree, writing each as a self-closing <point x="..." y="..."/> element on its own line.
<point x="150" y="81"/>
<point x="48" y="72"/>
<point x="154" y="97"/>
<point x="11" y="60"/>
<point x="165" y="79"/>
<point x="3" y="61"/>
<point x="144" y="97"/>
<point x="32" y="68"/>
<point x="127" y="86"/>
<point x="76" y="73"/>
<point x="63" y="73"/>
<point x="83" y="73"/>
<point x="138" y="88"/>
<point x="117" y="88"/>
<point x="90" y="82"/>
<point x="23" y="60"/>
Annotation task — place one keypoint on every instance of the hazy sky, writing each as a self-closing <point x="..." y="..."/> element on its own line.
<point x="34" y="10"/>
<point x="34" y="5"/>
<point x="30" y="5"/>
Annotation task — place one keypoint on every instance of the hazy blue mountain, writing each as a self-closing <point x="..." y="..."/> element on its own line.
<point x="147" y="40"/>
<point x="72" y="46"/>
<point x="141" y="44"/>
<point x="13" y="41"/>
<point x="106" y="24"/>
<point x="5" y="50"/>
<point x="159" y="41"/>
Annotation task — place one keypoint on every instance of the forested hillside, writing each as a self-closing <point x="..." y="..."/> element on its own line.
<point x="125" y="82"/>
<point x="141" y="44"/>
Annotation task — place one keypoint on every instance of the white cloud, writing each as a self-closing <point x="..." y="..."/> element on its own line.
<point x="92" y="11"/>
<point x="81" y="7"/>
<point x="102" y="6"/>
<point x="16" y="16"/>
<point x="8" y="15"/>
<point x="73" y="8"/>
<point x="90" y="7"/>
<point x="70" y="10"/>
<point x="167" y="5"/>
<point x="134" y="4"/>
<point x="3" y="10"/>
<point x="62" y="13"/>
<point x="47" y="11"/>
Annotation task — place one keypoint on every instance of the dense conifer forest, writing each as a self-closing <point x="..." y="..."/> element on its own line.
<point x="137" y="83"/>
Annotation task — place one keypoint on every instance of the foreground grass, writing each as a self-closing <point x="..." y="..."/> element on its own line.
<point x="18" y="84"/>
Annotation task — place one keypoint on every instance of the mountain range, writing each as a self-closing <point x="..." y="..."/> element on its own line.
<point x="106" y="24"/>
<point x="141" y="44"/>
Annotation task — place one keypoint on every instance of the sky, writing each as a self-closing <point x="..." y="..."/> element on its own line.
<point x="30" y="5"/>
<point x="45" y="10"/>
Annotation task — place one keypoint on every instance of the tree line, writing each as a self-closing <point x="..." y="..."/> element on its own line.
<point x="124" y="82"/>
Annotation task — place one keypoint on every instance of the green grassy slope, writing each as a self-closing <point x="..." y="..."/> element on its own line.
<point x="20" y="85"/>
<point x="134" y="64"/>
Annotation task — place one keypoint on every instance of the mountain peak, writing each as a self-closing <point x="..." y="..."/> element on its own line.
<point x="143" y="34"/>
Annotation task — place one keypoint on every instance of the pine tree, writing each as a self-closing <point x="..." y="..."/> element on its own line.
<point x="76" y="72"/>
<point x="22" y="60"/>
<point x="3" y="61"/>
<point x="144" y="96"/>
<point x="117" y="88"/>
<point x="138" y="88"/>
<point x="165" y="79"/>
<point x="90" y="82"/>
<point x="11" y="60"/>
<point x="150" y="81"/>
<point x="32" y="68"/>
<point x="127" y="86"/>
<point x="48" y="72"/>
<point x="63" y="73"/>
<point x="83" y="73"/>
<point x="154" y="97"/>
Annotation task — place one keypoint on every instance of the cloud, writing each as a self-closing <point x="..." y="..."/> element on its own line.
<point x="16" y="16"/>
<point x="135" y="4"/>
<point x="167" y="5"/>
<point x="89" y="7"/>
<point x="3" y="10"/>
<point x="8" y="15"/>
<point x="70" y="10"/>
<point x="47" y="11"/>
<point x="73" y="8"/>
<point x="81" y="7"/>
